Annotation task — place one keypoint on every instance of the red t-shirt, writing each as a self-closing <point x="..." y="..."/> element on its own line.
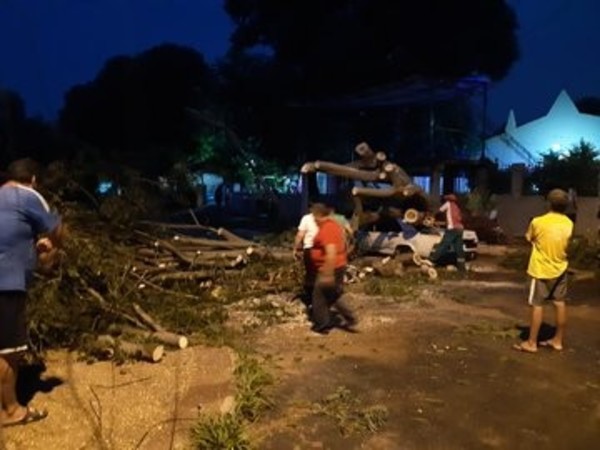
<point x="330" y="232"/>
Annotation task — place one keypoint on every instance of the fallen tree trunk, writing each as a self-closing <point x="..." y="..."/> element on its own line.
<point x="108" y="345"/>
<point x="145" y="352"/>
<point x="232" y="237"/>
<point x="146" y="318"/>
<point x="163" y="336"/>
<point x="347" y="171"/>
<point x="211" y="243"/>
<point x="179" y="276"/>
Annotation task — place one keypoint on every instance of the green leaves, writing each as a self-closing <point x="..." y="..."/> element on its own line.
<point x="578" y="169"/>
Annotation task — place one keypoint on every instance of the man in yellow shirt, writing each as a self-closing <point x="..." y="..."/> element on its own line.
<point x="549" y="235"/>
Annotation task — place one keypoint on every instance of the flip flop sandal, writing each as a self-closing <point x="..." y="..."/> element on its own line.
<point x="522" y="348"/>
<point x="550" y="345"/>
<point x="32" y="415"/>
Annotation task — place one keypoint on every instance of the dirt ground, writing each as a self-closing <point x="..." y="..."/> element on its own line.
<point x="440" y="364"/>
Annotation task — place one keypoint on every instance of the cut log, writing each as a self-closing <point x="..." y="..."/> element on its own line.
<point x="380" y="157"/>
<point x="178" y="226"/>
<point x="111" y="309"/>
<point x="176" y="340"/>
<point x="396" y="176"/>
<point x="184" y="276"/>
<point x="364" y="150"/>
<point x="103" y="347"/>
<point x="374" y="192"/>
<point x="308" y="167"/>
<point x="209" y="243"/>
<point x="108" y="345"/>
<point x="145" y="352"/>
<point x="229" y="236"/>
<point x="164" y="337"/>
<point x="350" y="172"/>
<point x="149" y="252"/>
<point x="171" y="248"/>
<point x="146" y="318"/>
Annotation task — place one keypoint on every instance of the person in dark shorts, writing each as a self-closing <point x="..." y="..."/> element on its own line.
<point x="27" y="227"/>
<point x="549" y="235"/>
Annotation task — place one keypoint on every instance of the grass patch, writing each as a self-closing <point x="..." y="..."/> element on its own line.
<point x="400" y="289"/>
<point x="252" y="379"/>
<point x="346" y="409"/>
<point x="228" y="432"/>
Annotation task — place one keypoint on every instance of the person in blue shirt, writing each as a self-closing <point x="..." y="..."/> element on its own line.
<point x="27" y="228"/>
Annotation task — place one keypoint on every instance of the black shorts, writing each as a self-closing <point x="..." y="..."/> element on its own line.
<point x="13" y="326"/>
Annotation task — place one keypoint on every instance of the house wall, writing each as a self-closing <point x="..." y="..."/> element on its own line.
<point x="514" y="214"/>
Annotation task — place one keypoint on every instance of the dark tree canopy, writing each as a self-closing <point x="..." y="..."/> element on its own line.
<point x="134" y="111"/>
<point x="22" y="136"/>
<point x="341" y="45"/>
<point x="578" y="169"/>
<point x="589" y="105"/>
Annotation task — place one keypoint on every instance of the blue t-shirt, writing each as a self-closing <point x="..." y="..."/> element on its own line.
<point x="24" y="214"/>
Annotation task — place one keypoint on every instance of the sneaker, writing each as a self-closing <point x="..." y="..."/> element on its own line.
<point x="334" y="322"/>
<point x="323" y="330"/>
<point x="350" y="325"/>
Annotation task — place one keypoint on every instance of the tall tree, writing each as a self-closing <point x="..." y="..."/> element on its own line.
<point x="22" y="136"/>
<point x="134" y="111"/>
<point x="589" y="105"/>
<point x="578" y="169"/>
<point x="310" y="50"/>
<point x="347" y="44"/>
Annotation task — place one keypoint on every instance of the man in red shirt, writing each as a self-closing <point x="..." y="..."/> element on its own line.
<point x="329" y="258"/>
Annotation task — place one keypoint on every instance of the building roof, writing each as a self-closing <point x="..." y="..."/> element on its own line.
<point x="419" y="91"/>
<point x="559" y="130"/>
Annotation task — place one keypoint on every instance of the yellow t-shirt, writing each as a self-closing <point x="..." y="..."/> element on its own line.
<point x="549" y="235"/>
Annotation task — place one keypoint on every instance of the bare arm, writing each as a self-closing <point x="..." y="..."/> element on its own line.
<point x="298" y="239"/>
<point x="328" y="268"/>
<point x="529" y="234"/>
<point x="52" y="240"/>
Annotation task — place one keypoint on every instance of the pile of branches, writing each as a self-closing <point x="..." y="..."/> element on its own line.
<point x="129" y="291"/>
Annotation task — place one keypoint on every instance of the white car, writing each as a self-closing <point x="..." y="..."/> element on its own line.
<point x="420" y="243"/>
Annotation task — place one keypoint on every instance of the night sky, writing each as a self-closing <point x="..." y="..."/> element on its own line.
<point x="560" y="42"/>
<point x="50" y="45"/>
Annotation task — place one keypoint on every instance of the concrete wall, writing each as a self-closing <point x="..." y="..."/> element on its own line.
<point x="514" y="214"/>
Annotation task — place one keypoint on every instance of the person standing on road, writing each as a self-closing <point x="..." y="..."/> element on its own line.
<point x="571" y="211"/>
<point x="549" y="235"/>
<point x="329" y="258"/>
<point x="453" y="236"/>
<point x="303" y="243"/>
<point x="26" y="226"/>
